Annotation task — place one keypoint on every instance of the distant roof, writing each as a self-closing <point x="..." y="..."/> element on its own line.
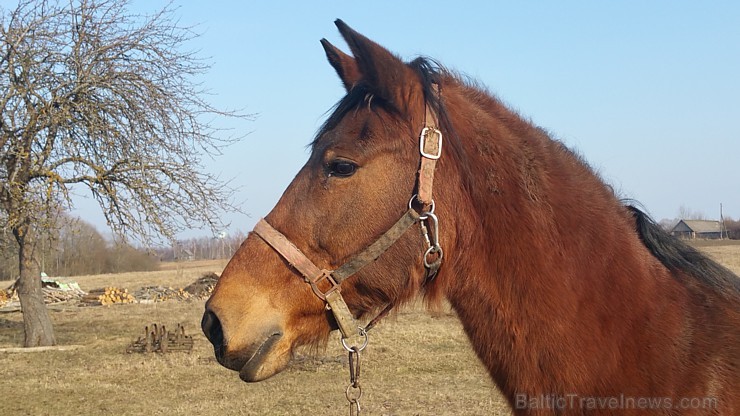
<point x="699" y="226"/>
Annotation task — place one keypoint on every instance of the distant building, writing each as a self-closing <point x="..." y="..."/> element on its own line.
<point x="185" y="254"/>
<point x="702" y="229"/>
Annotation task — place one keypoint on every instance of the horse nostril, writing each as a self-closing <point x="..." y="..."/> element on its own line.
<point x="212" y="329"/>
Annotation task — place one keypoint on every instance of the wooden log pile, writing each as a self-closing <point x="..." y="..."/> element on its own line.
<point x="107" y="296"/>
<point x="56" y="295"/>
<point x="58" y="292"/>
<point x="200" y="289"/>
<point x="203" y="287"/>
<point x="54" y="292"/>
<point x="151" y="294"/>
<point x="4" y="297"/>
<point x="158" y="339"/>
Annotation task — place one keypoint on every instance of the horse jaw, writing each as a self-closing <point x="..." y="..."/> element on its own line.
<point x="269" y="358"/>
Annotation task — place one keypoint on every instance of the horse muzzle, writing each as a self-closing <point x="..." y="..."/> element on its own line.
<point x="254" y="360"/>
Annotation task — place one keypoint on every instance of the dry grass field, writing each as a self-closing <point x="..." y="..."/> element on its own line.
<point x="726" y="253"/>
<point x="416" y="364"/>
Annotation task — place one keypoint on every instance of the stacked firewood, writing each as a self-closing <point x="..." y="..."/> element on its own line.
<point x="203" y="287"/>
<point x="107" y="296"/>
<point x="9" y="297"/>
<point x="200" y="289"/>
<point x="56" y="291"/>
<point x="52" y="295"/>
<point x="4" y="297"/>
<point x="151" y="294"/>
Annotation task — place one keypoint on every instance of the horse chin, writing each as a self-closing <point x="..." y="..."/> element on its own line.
<point x="268" y="359"/>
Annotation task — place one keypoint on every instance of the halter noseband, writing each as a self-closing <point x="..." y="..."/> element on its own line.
<point x="430" y="149"/>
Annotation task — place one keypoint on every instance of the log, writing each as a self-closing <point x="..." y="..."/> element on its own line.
<point x="43" y="349"/>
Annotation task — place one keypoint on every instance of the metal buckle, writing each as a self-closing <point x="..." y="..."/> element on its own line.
<point x="422" y="141"/>
<point x="325" y="275"/>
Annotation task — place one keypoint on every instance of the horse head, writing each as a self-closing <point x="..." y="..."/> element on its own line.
<point x="360" y="178"/>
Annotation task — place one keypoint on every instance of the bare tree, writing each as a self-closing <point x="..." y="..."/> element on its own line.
<point x="95" y="97"/>
<point x="686" y="213"/>
<point x="667" y="224"/>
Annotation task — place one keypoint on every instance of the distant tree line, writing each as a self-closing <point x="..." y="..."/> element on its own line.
<point x="202" y="248"/>
<point x="77" y="248"/>
<point x="74" y="247"/>
<point x="733" y="228"/>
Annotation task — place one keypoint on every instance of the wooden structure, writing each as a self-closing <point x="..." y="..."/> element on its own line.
<point x="701" y="229"/>
<point x="157" y="339"/>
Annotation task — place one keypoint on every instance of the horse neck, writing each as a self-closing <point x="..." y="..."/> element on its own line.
<point x="535" y="250"/>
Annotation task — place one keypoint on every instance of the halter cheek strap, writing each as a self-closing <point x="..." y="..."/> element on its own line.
<point x="430" y="148"/>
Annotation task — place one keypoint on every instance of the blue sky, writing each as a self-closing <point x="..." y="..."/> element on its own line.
<point x="647" y="92"/>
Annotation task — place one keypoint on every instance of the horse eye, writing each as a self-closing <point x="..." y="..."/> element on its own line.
<point x="342" y="168"/>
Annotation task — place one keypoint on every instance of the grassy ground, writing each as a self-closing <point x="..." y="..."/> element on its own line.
<point x="416" y="364"/>
<point x="727" y="255"/>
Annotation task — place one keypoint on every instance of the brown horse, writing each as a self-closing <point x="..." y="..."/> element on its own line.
<point x="573" y="301"/>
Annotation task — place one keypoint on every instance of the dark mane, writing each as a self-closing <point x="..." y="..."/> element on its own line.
<point x="431" y="72"/>
<point x="679" y="257"/>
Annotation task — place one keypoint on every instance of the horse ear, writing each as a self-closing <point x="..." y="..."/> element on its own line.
<point x="344" y="64"/>
<point x="386" y="74"/>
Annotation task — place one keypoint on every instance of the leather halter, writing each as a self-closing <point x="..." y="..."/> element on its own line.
<point x="430" y="149"/>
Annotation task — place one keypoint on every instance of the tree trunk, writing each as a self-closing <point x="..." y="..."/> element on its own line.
<point x="36" y="320"/>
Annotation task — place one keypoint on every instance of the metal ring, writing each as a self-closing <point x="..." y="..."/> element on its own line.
<point x="353" y="399"/>
<point x="432" y="250"/>
<point x="422" y="216"/>
<point x="362" y="333"/>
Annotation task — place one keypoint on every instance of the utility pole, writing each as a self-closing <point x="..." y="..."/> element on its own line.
<point x="221" y="237"/>
<point x="721" y="223"/>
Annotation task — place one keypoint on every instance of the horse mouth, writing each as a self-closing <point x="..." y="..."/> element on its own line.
<point x="255" y="367"/>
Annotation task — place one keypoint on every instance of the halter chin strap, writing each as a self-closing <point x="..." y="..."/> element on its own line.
<point x="430" y="148"/>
